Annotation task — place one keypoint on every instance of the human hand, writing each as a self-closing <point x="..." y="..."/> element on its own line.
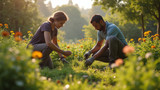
<point x="67" y="53"/>
<point x="89" y="61"/>
<point x="87" y="54"/>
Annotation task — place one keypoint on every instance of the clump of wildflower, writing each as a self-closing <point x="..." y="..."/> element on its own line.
<point x="128" y="50"/>
<point x="18" y="39"/>
<point x="37" y="54"/>
<point x="139" y="39"/>
<point x="5" y="33"/>
<point x="153" y="46"/>
<point x="18" y="34"/>
<point x="131" y="39"/>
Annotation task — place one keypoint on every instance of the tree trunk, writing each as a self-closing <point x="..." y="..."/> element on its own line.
<point x="142" y="18"/>
<point x="158" y="25"/>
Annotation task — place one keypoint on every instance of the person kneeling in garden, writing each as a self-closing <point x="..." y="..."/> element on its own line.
<point x="114" y="42"/>
<point x="45" y="39"/>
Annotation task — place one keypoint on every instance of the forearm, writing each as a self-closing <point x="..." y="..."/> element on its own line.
<point x="55" y="48"/>
<point x="95" y="49"/>
<point x="102" y="50"/>
<point x="60" y="55"/>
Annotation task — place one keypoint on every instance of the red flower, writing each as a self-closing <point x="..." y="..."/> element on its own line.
<point x="58" y="81"/>
<point x="5" y="33"/>
<point x="18" y="34"/>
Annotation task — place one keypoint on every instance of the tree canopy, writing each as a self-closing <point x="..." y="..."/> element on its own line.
<point x="73" y="27"/>
<point x="19" y="14"/>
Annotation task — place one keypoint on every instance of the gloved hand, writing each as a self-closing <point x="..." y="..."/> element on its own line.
<point x="87" y="54"/>
<point x="89" y="61"/>
<point x="64" y="60"/>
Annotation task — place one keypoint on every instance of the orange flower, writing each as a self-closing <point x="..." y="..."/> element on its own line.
<point x="75" y="55"/>
<point x="1" y="24"/>
<point x="144" y="40"/>
<point x="18" y="39"/>
<point x="153" y="46"/>
<point x="118" y="62"/>
<point x="156" y="35"/>
<point x="36" y="54"/>
<point x="131" y="40"/>
<point x="30" y="35"/>
<point x="64" y="56"/>
<point x="68" y="46"/>
<point x="58" y="40"/>
<point x="139" y="39"/>
<point x="5" y="33"/>
<point x="154" y="38"/>
<point x="18" y="34"/>
<point x="81" y="46"/>
<point x="6" y="25"/>
<point x="128" y="49"/>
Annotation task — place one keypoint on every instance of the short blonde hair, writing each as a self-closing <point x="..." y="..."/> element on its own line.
<point x="59" y="16"/>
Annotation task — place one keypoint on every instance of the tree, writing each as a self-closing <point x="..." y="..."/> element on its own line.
<point x="96" y="10"/>
<point x="90" y="32"/>
<point x="73" y="27"/>
<point x="134" y="10"/>
<point x="19" y="14"/>
<point x="43" y="9"/>
<point x="129" y="30"/>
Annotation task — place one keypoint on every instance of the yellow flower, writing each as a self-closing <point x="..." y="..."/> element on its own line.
<point x="149" y="31"/>
<point x="131" y="39"/>
<point x="28" y="31"/>
<point x="37" y="54"/>
<point x="11" y="31"/>
<point x="81" y="46"/>
<point x="146" y="33"/>
<point x="139" y="39"/>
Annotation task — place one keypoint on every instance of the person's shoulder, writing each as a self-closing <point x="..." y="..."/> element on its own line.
<point x="46" y="23"/>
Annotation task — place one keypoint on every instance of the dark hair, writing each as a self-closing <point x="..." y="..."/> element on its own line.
<point x="96" y="18"/>
<point x="59" y="16"/>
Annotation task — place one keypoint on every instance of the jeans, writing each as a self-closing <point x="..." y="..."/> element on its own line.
<point x="113" y="52"/>
<point x="46" y="59"/>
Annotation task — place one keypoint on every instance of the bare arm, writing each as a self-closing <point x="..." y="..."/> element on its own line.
<point x="97" y="46"/>
<point x="101" y="50"/>
<point x="55" y="42"/>
<point x="47" y="37"/>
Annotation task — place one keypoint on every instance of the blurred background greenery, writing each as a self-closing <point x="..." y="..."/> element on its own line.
<point x="131" y="16"/>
